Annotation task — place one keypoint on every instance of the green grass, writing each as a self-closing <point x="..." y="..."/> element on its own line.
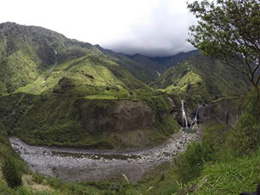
<point x="98" y="78"/>
<point x="101" y="97"/>
<point x="141" y="69"/>
<point x="86" y="76"/>
<point x="160" y="180"/>
<point x="17" y="70"/>
<point x="190" y="78"/>
<point x="232" y="177"/>
<point x="36" y="87"/>
<point x="233" y="166"/>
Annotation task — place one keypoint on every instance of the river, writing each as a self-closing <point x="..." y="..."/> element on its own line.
<point x="90" y="165"/>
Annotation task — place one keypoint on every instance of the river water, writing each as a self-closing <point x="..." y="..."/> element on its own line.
<point x="90" y="165"/>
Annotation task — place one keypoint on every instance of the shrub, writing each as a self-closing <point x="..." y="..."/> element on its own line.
<point x="244" y="138"/>
<point x="191" y="163"/>
<point x="11" y="173"/>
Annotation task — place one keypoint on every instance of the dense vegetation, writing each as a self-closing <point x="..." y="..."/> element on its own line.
<point x="45" y="93"/>
<point x="231" y="164"/>
<point x="51" y="87"/>
<point x="201" y="79"/>
<point x="229" y="30"/>
<point x="47" y="80"/>
<point x="225" y="161"/>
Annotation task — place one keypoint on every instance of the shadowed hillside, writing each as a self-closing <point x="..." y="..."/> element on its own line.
<point x="200" y="79"/>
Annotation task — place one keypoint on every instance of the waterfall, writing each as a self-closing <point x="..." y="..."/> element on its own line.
<point x="195" y="119"/>
<point x="184" y="117"/>
<point x="55" y="62"/>
<point x="189" y="123"/>
<point x="171" y="101"/>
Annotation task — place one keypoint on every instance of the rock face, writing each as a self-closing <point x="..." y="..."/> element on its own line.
<point x="225" y="112"/>
<point x="121" y="115"/>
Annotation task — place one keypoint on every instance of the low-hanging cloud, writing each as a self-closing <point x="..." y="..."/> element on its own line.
<point x="164" y="33"/>
<point x="149" y="27"/>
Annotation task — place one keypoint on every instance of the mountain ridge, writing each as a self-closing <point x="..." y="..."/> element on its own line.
<point x="56" y="85"/>
<point x="42" y="72"/>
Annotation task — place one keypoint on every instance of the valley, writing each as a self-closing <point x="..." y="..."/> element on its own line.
<point x="95" y="165"/>
<point x="84" y="117"/>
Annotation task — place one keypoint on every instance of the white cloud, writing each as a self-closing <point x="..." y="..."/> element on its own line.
<point x="156" y="27"/>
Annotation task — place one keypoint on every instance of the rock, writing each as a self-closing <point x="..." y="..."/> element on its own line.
<point x="118" y="116"/>
<point x="225" y="111"/>
<point x="90" y="168"/>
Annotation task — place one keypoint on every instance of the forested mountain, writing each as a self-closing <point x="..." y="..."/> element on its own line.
<point x="30" y="54"/>
<point x="40" y="68"/>
<point x="58" y="92"/>
<point x="52" y="85"/>
<point x="202" y="79"/>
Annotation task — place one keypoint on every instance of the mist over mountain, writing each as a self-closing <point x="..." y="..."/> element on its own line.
<point x="157" y="28"/>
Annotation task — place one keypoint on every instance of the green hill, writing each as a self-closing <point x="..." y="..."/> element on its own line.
<point x="27" y="51"/>
<point x="43" y="73"/>
<point x="40" y="57"/>
<point x="202" y="79"/>
<point x="55" y="91"/>
<point x="53" y="86"/>
<point x="169" y="61"/>
<point x="142" y="70"/>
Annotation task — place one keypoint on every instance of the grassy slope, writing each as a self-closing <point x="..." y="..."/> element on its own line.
<point x="46" y="88"/>
<point x="88" y="75"/>
<point x="56" y="113"/>
<point x="44" y="110"/>
<point x="27" y="50"/>
<point x="163" y="63"/>
<point x="238" y="167"/>
<point x="56" y="120"/>
<point x="141" y="69"/>
<point x="226" y="161"/>
<point x="232" y="177"/>
<point x="201" y="79"/>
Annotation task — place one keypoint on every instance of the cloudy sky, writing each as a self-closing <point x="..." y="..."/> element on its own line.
<point x="150" y="27"/>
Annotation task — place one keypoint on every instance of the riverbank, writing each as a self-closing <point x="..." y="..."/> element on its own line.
<point x="90" y="165"/>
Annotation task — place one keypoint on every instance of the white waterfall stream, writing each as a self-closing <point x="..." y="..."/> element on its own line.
<point x="184" y="117"/>
<point x="191" y="123"/>
<point x="158" y="73"/>
<point x="195" y="119"/>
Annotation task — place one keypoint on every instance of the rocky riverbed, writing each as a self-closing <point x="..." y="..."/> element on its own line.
<point x="90" y="165"/>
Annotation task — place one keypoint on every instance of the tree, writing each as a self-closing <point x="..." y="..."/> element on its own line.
<point x="230" y="31"/>
<point x="11" y="174"/>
